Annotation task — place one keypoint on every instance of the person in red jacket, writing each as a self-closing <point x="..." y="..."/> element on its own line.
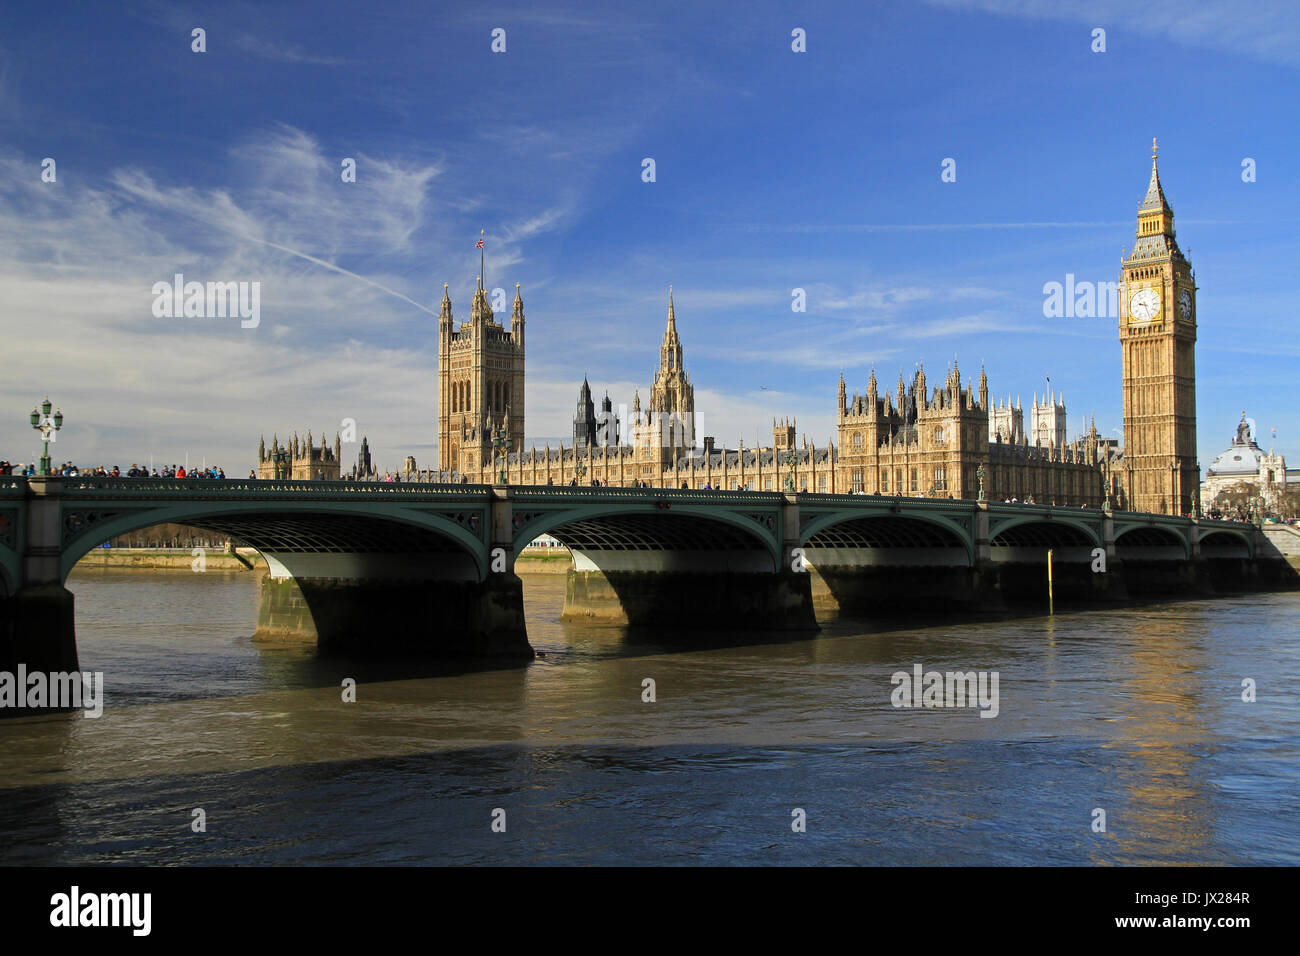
<point x="180" y="472"/>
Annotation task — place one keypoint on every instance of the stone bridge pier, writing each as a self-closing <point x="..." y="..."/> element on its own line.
<point x="37" y="624"/>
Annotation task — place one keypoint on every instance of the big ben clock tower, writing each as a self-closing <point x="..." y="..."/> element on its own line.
<point x="1157" y="333"/>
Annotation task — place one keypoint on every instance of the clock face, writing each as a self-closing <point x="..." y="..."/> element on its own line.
<point x="1185" y="304"/>
<point x="1145" y="305"/>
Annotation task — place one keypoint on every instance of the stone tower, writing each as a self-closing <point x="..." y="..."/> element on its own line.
<point x="584" y="422"/>
<point x="1048" y="421"/>
<point x="669" y="423"/>
<point x="1157" y="333"/>
<point x="783" y="435"/>
<point x="480" y="383"/>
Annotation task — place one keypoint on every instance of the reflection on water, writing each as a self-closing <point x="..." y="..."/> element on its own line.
<point x="1134" y="711"/>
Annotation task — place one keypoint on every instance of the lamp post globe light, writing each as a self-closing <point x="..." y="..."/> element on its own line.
<point x="501" y="444"/>
<point x="47" y="426"/>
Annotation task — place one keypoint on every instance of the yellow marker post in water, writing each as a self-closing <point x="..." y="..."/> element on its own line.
<point x="1051" y="604"/>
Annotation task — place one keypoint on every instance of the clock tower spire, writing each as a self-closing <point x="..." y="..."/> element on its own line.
<point x="1157" y="333"/>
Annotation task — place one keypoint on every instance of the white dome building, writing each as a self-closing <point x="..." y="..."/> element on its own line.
<point x="1244" y="464"/>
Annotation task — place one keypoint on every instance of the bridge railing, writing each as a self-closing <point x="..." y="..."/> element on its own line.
<point x="844" y="498"/>
<point x="12" y="486"/>
<point x="607" y="492"/>
<point x="246" y="487"/>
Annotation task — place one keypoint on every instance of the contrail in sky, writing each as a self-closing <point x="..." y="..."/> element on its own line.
<point x="341" y="271"/>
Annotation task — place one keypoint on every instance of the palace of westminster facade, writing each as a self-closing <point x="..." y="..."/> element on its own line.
<point x="912" y="441"/>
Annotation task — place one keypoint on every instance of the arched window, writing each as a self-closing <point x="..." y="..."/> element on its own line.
<point x="857" y="439"/>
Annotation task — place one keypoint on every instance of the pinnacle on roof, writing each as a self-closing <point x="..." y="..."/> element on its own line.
<point x="444" y="314"/>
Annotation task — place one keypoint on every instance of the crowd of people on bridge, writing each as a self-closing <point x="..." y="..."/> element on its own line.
<point x="70" y="470"/>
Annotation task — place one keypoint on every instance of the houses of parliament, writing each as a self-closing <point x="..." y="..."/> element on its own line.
<point x="949" y="439"/>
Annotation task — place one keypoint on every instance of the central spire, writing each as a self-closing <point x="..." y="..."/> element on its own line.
<point x="1154" y="200"/>
<point x="670" y="354"/>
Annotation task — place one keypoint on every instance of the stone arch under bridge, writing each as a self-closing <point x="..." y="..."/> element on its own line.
<point x="309" y="539"/>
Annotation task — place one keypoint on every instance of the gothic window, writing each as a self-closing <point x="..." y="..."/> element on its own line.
<point x="821" y="483"/>
<point x="914" y="479"/>
<point x="941" y="478"/>
<point x="857" y="439"/>
<point x="884" y="480"/>
<point x="857" y="480"/>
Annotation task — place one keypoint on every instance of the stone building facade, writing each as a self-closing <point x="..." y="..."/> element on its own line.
<point x="299" y="460"/>
<point x="658" y="446"/>
<point x="934" y="443"/>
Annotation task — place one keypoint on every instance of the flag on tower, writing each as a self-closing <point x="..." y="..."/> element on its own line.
<point x="479" y="244"/>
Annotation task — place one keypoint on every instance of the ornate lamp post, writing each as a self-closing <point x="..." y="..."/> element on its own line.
<point x="791" y="459"/>
<point x="980" y="475"/>
<point x="47" y="426"/>
<point x="501" y="445"/>
<point x="579" y="467"/>
<point x="281" y="459"/>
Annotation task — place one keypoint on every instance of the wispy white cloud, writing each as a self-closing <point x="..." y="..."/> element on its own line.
<point x="284" y="52"/>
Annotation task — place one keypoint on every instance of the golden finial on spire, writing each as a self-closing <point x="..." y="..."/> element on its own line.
<point x="1153" y="147"/>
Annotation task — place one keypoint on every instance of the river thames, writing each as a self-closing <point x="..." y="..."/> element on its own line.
<point x="1137" y="712"/>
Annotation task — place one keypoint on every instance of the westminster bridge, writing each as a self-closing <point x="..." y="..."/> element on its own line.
<point x="399" y="567"/>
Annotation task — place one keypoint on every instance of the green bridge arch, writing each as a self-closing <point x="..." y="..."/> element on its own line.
<point x="195" y="512"/>
<point x="530" y="523"/>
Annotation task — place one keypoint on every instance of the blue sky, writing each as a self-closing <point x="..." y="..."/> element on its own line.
<point x="775" y="170"/>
